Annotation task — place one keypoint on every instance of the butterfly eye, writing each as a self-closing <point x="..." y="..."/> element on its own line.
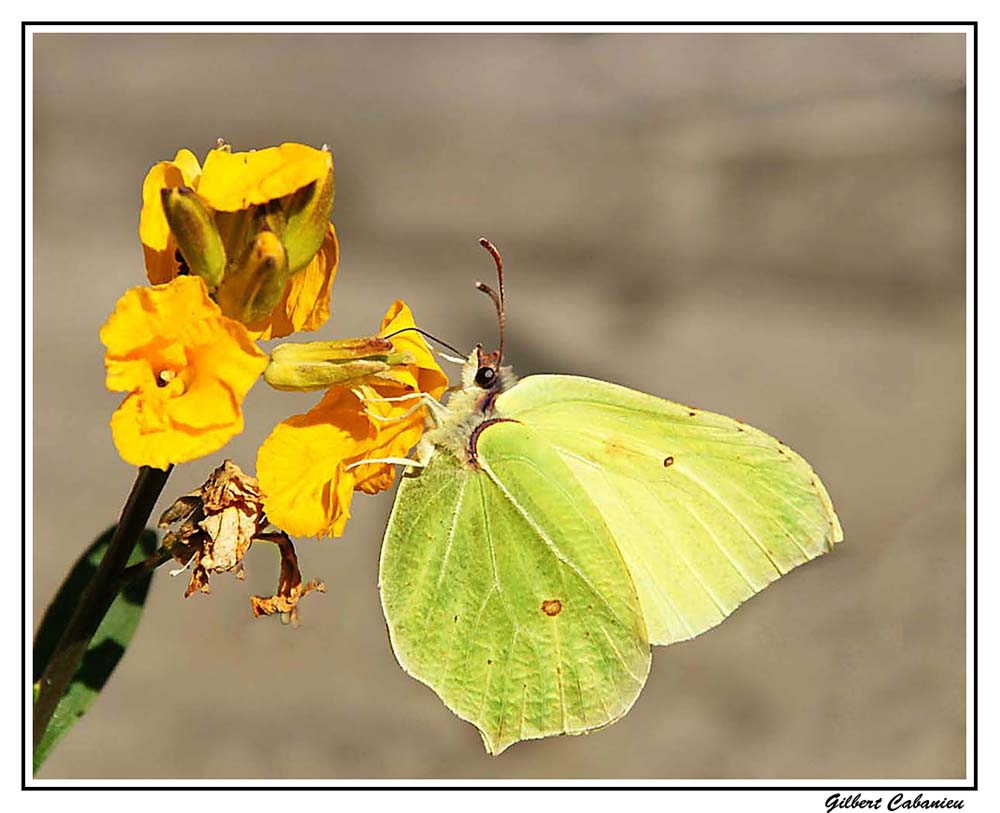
<point x="485" y="376"/>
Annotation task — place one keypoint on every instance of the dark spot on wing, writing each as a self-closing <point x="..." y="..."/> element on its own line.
<point x="489" y="661"/>
<point x="668" y="461"/>
<point x="552" y="607"/>
<point x="456" y="619"/>
<point x="691" y="413"/>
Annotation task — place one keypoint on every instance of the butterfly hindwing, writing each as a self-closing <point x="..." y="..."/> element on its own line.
<point x="504" y="592"/>
<point x="705" y="510"/>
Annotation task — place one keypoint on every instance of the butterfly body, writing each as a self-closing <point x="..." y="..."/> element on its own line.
<point x="467" y="410"/>
<point x="559" y="525"/>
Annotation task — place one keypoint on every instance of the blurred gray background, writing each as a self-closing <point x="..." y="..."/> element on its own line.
<point x="769" y="226"/>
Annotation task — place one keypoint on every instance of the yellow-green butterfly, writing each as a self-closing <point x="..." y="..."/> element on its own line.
<point x="553" y="528"/>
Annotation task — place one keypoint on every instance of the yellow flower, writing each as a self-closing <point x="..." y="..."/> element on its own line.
<point x="186" y="368"/>
<point x="287" y="190"/>
<point x="304" y="467"/>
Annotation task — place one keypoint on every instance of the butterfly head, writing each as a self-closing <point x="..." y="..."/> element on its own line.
<point x="482" y="372"/>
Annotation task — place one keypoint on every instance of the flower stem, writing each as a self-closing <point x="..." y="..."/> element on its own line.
<point x="97" y="598"/>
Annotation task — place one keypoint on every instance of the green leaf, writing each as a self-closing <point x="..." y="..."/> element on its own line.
<point x="108" y="645"/>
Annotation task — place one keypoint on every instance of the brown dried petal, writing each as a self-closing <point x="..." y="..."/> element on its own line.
<point x="290" y="587"/>
<point x="182" y="508"/>
<point x="199" y="581"/>
<point x="230" y="487"/>
<point x="229" y="536"/>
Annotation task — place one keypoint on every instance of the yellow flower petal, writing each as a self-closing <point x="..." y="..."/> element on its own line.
<point x="187" y="162"/>
<point x="305" y="304"/>
<point x="182" y="171"/>
<point x="161" y="266"/>
<point x="394" y="437"/>
<point x="424" y="374"/>
<point x="158" y="444"/>
<point x="186" y="368"/>
<point x="231" y="181"/>
<point x="301" y="466"/>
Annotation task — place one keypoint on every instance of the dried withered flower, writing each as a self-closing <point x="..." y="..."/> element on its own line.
<point x="214" y="527"/>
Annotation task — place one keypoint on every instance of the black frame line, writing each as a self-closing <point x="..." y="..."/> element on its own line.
<point x="488" y="785"/>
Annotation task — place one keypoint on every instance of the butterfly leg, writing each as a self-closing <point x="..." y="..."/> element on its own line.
<point x="392" y="418"/>
<point x="395" y="461"/>
<point x="451" y="358"/>
<point x="437" y="410"/>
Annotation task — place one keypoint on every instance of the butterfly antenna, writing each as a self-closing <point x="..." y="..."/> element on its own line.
<point x="426" y="335"/>
<point x="498" y="299"/>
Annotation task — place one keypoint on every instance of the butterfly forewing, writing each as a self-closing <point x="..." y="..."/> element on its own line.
<point x="505" y="592"/>
<point x="705" y="510"/>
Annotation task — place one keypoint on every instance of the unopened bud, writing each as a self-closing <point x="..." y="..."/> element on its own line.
<point x="253" y="287"/>
<point x="192" y="224"/>
<point x="309" y="366"/>
<point x="307" y="216"/>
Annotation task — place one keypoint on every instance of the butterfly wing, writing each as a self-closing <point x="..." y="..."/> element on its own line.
<point x="504" y="592"/>
<point x="706" y="510"/>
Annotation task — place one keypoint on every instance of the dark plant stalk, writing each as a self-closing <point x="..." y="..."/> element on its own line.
<point x="97" y="598"/>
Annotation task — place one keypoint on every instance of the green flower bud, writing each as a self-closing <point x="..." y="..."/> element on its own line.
<point x="309" y="366"/>
<point x="193" y="226"/>
<point x="306" y="217"/>
<point x="255" y="284"/>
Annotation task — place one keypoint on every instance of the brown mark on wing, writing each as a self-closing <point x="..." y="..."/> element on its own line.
<point x="552" y="607"/>
<point x="621" y="449"/>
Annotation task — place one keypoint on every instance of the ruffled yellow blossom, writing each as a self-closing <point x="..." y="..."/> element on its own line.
<point x="305" y="466"/>
<point x="186" y="368"/>
<point x="251" y="193"/>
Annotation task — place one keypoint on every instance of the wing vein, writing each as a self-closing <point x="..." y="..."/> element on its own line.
<point x="687" y="474"/>
<point x="614" y="648"/>
<point x="493" y="559"/>
<point x="468" y="652"/>
<point x="426" y="568"/>
<point x="720" y="546"/>
<point x="503" y="690"/>
<point x="691" y="568"/>
<point x="451" y="531"/>
<point x="559" y="677"/>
